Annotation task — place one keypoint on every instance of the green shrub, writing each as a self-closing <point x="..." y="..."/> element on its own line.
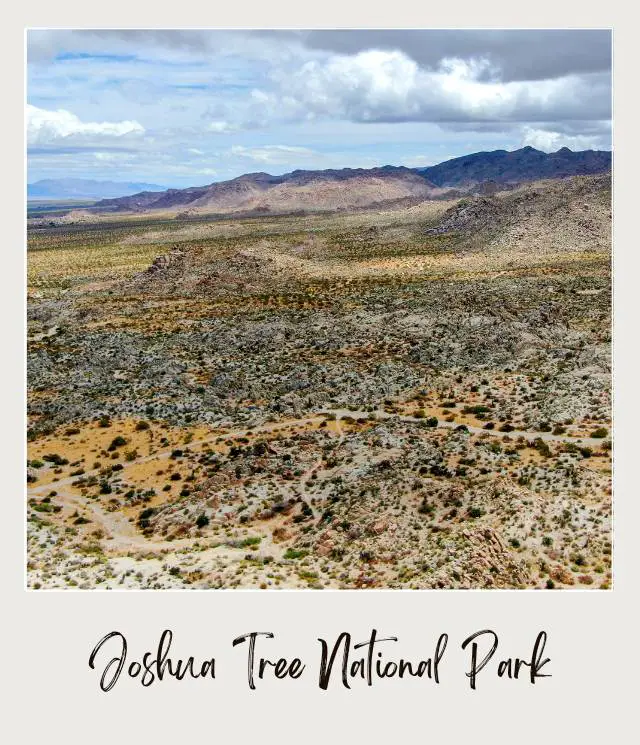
<point x="425" y="508"/>
<point x="292" y="553"/>
<point x="253" y="540"/>
<point x="478" y="409"/>
<point x="117" y="442"/>
<point x="56" y="459"/>
<point x="542" y="447"/>
<point x="202" y="521"/>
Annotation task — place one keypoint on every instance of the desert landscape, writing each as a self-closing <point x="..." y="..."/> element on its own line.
<point x="383" y="378"/>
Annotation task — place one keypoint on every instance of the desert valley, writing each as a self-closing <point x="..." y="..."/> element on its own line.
<point x="383" y="378"/>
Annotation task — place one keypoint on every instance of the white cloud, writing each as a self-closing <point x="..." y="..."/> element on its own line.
<point x="45" y="127"/>
<point x="222" y="127"/>
<point x="110" y="157"/>
<point x="550" y="141"/>
<point x="419" y="161"/>
<point x="378" y="86"/>
<point x="274" y="154"/>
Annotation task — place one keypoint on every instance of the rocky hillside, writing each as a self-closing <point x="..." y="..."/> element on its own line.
<point x="567" y="215"/>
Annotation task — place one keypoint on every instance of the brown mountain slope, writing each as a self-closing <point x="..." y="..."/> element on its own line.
<point x="312" y="191"/>
<point x="317" y="195"/>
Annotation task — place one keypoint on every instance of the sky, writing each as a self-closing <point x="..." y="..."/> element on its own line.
<point x="189" y="107"/>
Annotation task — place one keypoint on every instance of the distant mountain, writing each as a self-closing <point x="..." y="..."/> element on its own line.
<point x="358" y="188"/>
<point x="78" y="188"/>
<point x="527" y="164"/>
<point x="308" y="191"/>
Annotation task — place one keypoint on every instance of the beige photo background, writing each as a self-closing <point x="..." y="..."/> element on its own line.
<point x="53" y="697"/>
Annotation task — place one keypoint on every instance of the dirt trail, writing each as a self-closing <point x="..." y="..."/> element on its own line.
<point x="548" y="436"/>
<point x="121" y="533"/>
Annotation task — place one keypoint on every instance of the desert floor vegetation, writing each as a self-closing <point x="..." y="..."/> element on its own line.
<point x="409" y="397"/>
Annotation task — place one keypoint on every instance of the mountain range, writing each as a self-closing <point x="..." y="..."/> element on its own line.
<point x="358" y="188"/>
<point x="526" y="164"/>
<point x="79" y="188"/>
